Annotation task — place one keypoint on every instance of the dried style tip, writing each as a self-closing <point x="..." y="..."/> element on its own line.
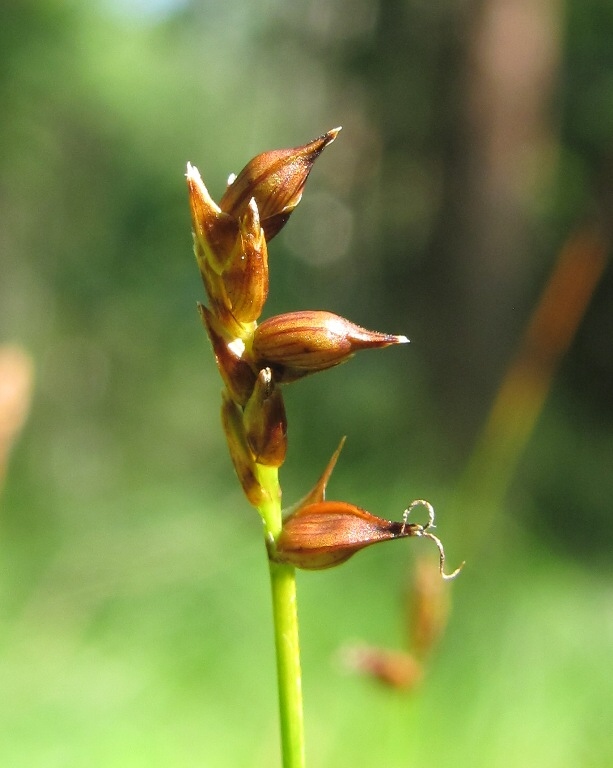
<point x="238" y="376"/>
<point x="299" y="343"/>
<point x="265" y="421"/>
<point x="240" y="453"/>
<point x="327" y="533"/>
<point x="276" y="180"/>
<point x="423" y="530"/>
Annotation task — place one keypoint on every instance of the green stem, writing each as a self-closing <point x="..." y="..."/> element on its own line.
<point x="285" y="618"/>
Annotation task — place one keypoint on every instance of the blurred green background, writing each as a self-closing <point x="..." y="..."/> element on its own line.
<point x="134" y="610"/>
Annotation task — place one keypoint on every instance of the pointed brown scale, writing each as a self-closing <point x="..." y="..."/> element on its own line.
<point x="221" y="304"/>
<point x="240" y="453"/>
<point x="298" y="343"/>
<point x="245" y="278"/>
<point x="266" y="422"/>
<point x="214" y="287"/>
<point x="238" y="375"/>
<point x="215" y="231"/>
<point x="318" y="491"/>
<point x="327" y="533"/>
<point x="276" y="180"/>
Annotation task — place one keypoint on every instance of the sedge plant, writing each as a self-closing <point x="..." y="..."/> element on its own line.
<point x="256" y="360"/>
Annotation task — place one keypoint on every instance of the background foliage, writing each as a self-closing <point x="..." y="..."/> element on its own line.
<point x="134" y="614"/>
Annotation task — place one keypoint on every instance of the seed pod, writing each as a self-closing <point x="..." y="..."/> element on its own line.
<point x="237" y="374"/>
<point x="245" y="277"/>
<point x="298" y="343"/>
<point x="276" y="180"/>
<point x="328" y="533"/>
<point x="215" y="232"/>
<point x="240" y="453"/>
<point x="265" y="421"/>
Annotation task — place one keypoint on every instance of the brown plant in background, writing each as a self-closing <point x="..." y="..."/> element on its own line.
<point x="16" y="381"/>
<point x="425" y="609"/>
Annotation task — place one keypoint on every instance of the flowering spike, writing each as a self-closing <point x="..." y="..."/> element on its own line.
<point x="230" y="243"/>
<point x="265" y="421"/>
<point x="299" y="343"/>
<point x="276" y="180"/>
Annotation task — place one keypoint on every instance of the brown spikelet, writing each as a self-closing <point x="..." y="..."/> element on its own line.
<point x="276" y="180"/>
<point x="312" y="340"/>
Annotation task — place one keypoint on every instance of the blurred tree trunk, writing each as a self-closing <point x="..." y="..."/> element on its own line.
<point x="510" y="153"/>
<point x="492" y="133"/>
